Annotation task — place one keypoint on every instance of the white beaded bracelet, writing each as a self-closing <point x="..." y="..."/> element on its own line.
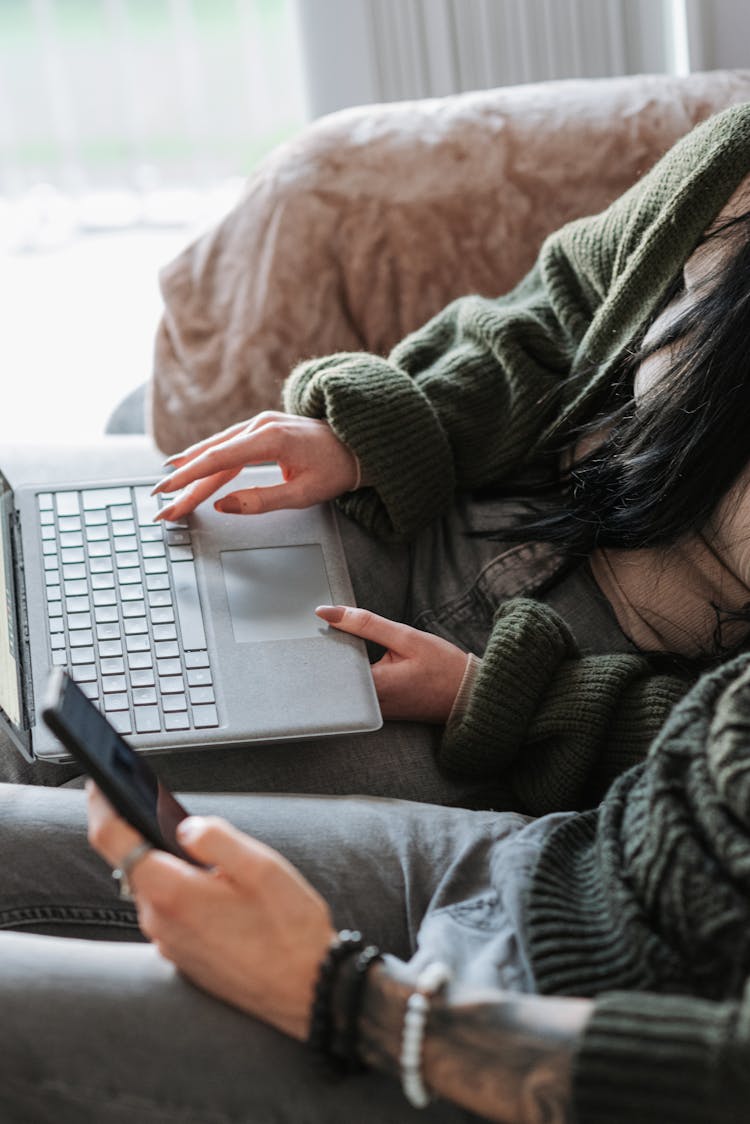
<point x="430" y="980"/>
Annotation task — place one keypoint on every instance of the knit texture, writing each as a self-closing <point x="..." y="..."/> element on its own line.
<point x="488" y="388"/>
<point x="651" y="894"/>
<point x="661" y="1059"/>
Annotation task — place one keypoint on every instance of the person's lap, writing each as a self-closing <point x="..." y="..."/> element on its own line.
<point x="107" y="1028"/>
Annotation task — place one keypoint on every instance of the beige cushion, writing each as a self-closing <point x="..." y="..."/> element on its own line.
<point x="372" y="219"/>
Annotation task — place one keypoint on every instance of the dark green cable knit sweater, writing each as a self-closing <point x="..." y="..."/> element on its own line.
<point x="651" y="894"/>
<point x="476" y="396"/>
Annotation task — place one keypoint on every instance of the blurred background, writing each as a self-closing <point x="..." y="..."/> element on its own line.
<point x="128" y="126"/>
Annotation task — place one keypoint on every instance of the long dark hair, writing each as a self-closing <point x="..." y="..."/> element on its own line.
<point x="665" y="462"/>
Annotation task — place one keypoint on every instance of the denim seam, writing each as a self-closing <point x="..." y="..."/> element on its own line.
<point x="115" y="916"/>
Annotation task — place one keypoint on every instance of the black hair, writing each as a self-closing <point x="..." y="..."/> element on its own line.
<point x="662" y="464"/>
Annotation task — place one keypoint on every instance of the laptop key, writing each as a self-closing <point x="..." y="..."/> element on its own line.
<point x="56" y="624"/>
<point x="146" y="504"/>
<point x="96" y="517"/>
<point x="121" y="511"/>
<point x="51" y="577"/>
<point x="155" y="565"/>
<point x="66" y="503"/>
<point x="160" y="597"/>
<point x="129" y="577"/>
<point x="171" y="684"/>
<point x="201" y="695"/>
<point x="46" y="518"/>
<point x="135" y="626"/>
<point x="140" y="660"/>
<point x="99" y="550"/>
<point x="54" y="609"/>
<point x="97" y="533"/>
<point x="126" y="559"/>
<point x="109" y="648"/>
<point x="125" y="542"/>
<point x="142" y="678"/>
<point x="104" y="497"/>
<point x="59" y="658"/>
<point x="147" y="719"/>
<point x="112" y="665"/>
<point x="54" y="593"/>
<point x="181" y="554"/>
<point x="150" y="534"/>
<point x="166" y="649"/>
<point x="205" y="716"/>
<point x="81" y="639"/>
<point x="108" y="631"/>
<point x="57" y="640"/>
<point x="116" y="701"/>
<point x="199" y="677"/>
<point x="74" y="571"/>
<point x="76" y="604"/>
<point x="50" y="562"/>
<point x="153" y="549"/>
<point x="90" y="690"/>
<point x="134" y="609"/>
<point x="84" y="673"/>
<point x="196" y="659"/>
<point x="143" y="696"/>
<point x="48" y="531"/>
<point x="104" y="597"/>
<point x="82" y="655"/>
<point x="44" y="499"/>
<point x="162" y="616"/>
<point x="101" y="565"/>
<point x="131" y="593"/>
<point x="169" y="667"/>
<point x="71" y="538"/>
<point x="102" y="581"/>
<point x="75" y="588"/>
<point x="157" y="581"/>
<point x="69" y="523"/>
<point x="79" y="620"/>
<point x="188" y="605"/>
<point x="137" y="643"/>
<point x="104" y="614"/>
<point x="113" y="684"/>
<point x="176" y="721"/>
<point x="49" y="546"/>
<point x="165" y="632"/>
<point x="174" y="703"/>
<point x="126" y="528"/>
<point x="121" y="721"/>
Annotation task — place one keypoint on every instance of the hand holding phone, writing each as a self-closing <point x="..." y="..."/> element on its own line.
<point x="127" y="781"/>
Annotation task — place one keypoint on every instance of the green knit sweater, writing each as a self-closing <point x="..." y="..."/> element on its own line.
<point x="646" y="905"/>
<point x="476" y="396"/>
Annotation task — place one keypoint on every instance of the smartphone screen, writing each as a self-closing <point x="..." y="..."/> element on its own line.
<point x="125" y="778"/>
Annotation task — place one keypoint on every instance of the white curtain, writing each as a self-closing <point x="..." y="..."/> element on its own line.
<point x="358" y="51"/>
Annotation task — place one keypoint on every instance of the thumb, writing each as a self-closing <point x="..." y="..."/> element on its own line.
<point x="216" y="843"/>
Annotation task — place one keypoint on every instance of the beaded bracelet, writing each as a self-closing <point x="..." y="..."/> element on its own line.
<point x="430" y="980"/>
<point x="346" y="1047"/>
<point x="320" y="1036"/>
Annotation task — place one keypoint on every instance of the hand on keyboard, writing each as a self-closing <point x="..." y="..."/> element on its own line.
<point x="316" y="466"/>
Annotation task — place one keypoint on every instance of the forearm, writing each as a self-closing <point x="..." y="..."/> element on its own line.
<point x="505" y="1057"/>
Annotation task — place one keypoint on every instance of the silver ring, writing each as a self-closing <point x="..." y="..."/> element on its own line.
<point x="121" y="874"/>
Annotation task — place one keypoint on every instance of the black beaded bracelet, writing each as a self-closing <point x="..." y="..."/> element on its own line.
<point x="320" y="1036"/>
<point x="346" y="1046"/>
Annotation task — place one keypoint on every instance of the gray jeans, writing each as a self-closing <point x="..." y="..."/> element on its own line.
<point x="448" y="581"/>
<point x="104" y="1031"/>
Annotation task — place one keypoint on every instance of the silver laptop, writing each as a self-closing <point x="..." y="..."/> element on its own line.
<point x="186" y="634"/>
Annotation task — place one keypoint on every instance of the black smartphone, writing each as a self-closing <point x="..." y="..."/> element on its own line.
<point x="125" y="778"/>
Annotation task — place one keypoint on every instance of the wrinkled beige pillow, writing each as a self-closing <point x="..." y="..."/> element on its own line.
<point x="372" y="219"/>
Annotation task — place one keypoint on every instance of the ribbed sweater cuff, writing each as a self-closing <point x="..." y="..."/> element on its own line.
<point x="657" y="1059"/>
<point x="393" y="430"/>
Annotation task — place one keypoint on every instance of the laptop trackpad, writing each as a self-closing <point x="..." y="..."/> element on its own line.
<point x="272" y="592"/>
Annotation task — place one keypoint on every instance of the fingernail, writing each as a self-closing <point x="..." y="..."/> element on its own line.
<point x="230" y="505"/>
<point x="160" y="484"/>
<point x="165" y="513"/>
<point x="330" y="613"/>
<point x="188" y="828"/>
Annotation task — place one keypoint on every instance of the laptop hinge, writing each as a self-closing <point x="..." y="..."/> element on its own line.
<point x="21" y="737"/>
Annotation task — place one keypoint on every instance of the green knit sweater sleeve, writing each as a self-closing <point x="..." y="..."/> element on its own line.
<point x="554" y="726"/>
<point x="480" y="391"/>
<point x="458" y="404"/>
<point x="654" y="1059"/>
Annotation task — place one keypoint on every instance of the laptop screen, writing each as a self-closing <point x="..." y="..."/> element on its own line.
<point x="10" y="699"/>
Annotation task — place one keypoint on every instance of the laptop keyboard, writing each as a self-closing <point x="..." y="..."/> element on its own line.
<point x="123" y="609"/>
